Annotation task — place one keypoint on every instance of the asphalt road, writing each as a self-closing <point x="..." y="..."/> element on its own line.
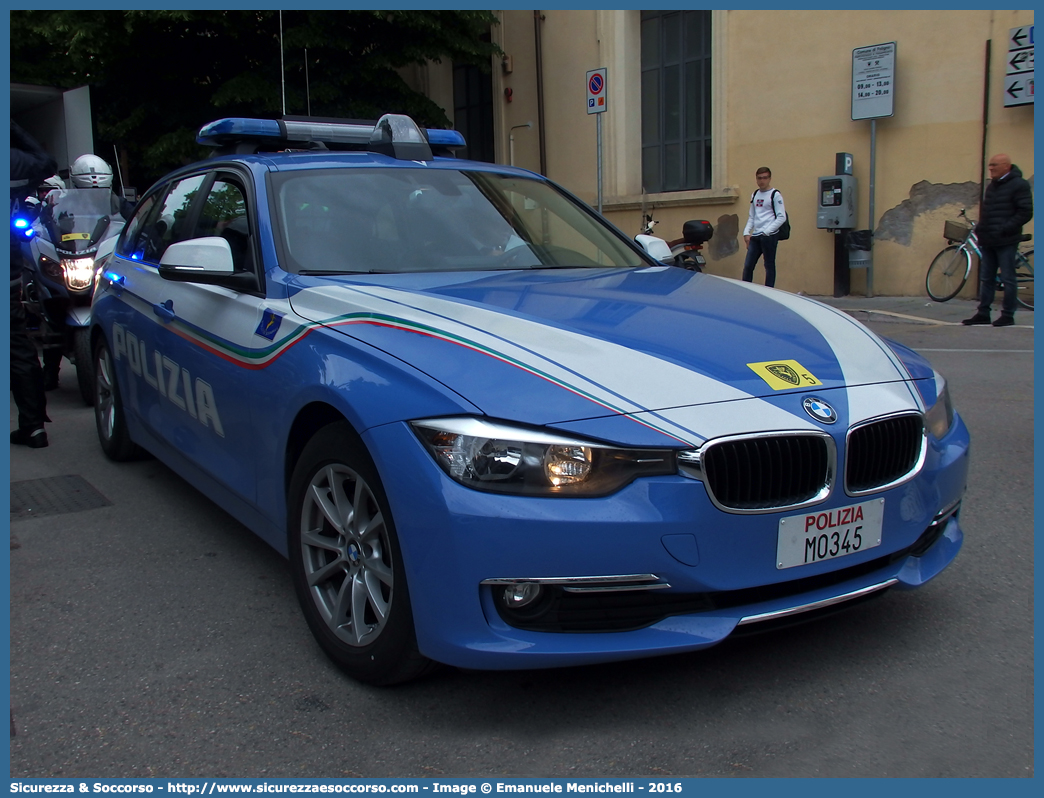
<point x="155" y="636"/>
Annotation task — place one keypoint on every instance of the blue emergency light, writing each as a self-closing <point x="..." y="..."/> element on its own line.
<point x="396" y="135"/>
<point x="23" y="226"/>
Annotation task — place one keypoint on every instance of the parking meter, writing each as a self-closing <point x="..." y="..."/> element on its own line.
<point x="837" y="202"/>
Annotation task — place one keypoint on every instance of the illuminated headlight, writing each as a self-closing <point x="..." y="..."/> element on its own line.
<point x="79" y="273"/>
<point x="509" y="459"/>
<point x="939" y="417"/>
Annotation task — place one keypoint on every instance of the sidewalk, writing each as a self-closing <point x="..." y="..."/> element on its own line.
<point x="914" y="310"/>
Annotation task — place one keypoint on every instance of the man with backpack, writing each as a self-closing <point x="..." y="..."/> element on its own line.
<point x="766" y="226"/>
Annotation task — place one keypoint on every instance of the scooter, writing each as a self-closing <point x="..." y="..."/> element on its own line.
<point x="59" y="273"/>
<point x="685" y="252"/>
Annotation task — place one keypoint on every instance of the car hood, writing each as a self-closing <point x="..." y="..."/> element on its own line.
<point x="687" y="355"/>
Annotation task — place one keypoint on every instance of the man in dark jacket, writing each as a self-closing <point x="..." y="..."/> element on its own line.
<point x="1007" y="205"/>
<point x="30" y="165"/>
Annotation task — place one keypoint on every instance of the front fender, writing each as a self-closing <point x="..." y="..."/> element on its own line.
<point x="78" y="316"/>
<point x="328" y="377"/>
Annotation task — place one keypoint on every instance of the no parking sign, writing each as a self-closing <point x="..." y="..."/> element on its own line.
<point x="596" y="91"/>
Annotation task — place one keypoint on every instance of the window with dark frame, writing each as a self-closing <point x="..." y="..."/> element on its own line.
<point x="473" y="110"/>
<point x="676" y="100"/>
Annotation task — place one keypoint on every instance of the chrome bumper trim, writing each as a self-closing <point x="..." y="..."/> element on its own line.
<point x="589" y="584"/>
<point x="815" y="605"/>
<point x="945" y="513"/>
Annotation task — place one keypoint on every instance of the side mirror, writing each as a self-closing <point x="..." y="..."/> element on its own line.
<point x="197" y="258"/>
<point x="655" y="248"/>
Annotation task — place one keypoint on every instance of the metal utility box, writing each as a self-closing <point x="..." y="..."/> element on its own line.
<point x="837" y="202"/>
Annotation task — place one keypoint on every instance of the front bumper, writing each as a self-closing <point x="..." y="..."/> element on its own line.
<point x="459" y="545"/>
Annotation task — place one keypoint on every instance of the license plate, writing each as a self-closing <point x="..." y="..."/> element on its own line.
<point x="700" y="260"/>
<point x="827" y="534"/>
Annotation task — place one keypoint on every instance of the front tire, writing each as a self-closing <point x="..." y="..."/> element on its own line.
<point x="346" y="562"/>
<point x="84" y="364"/>
<point x="109" y="418"/>
<point x="948" y="273"/>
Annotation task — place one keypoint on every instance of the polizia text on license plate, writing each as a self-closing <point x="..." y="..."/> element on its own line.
<point x="826" y="534"/>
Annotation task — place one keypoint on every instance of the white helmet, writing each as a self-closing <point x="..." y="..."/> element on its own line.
<point x="90" y="171"/>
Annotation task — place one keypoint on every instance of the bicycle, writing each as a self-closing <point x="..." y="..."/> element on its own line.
<point x="949" y="271"/>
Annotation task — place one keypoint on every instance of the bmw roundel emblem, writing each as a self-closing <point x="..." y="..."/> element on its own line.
<point x="819" y="409"/>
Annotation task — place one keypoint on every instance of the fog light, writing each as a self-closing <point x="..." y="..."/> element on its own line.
<point x="521" y="594"/>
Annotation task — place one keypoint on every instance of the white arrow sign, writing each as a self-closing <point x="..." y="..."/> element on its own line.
<point x="1018" y="77"/>
<point x="1020" y="37"/>
<point x="1021" y="61"/>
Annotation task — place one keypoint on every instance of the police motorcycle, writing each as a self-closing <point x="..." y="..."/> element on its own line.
<point x="59" y="271"/>
<point x="685" y="252"/>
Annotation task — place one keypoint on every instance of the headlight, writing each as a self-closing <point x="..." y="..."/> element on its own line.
<point x="79" y="273"/>
<point x="939" y="417"/>
<point x="51" y="268"/>
<point x="509" y="459"/>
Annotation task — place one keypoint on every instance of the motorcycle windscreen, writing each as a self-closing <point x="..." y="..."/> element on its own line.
<point x="78" y="219"/>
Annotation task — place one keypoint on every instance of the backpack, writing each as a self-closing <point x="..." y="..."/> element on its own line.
<point x="783" y="233"/>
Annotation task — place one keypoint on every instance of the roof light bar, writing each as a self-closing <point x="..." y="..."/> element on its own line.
<point x="395" y="134"/>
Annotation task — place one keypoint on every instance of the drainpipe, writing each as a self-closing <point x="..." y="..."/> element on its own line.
<point x="537" y="19"/>
<point x="985" y="122"/>
<point x="985" y="130"/>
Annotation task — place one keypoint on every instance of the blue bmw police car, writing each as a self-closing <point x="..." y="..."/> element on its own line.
<point x="486" y="428"/>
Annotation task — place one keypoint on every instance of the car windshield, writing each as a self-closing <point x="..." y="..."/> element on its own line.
<point x="429" y="220"/>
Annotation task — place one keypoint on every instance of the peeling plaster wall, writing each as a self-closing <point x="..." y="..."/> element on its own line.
<point x="897" y="224"/>
<point x="727" y="239"/>
<point x="910" y="234"/>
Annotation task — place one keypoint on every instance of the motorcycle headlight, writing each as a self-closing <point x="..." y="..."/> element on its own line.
<point x="939" y="417"/>
<point x="508" y="459"/>
<point x="79" y="273"/>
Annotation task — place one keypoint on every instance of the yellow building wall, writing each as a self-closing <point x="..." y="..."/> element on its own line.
<point x="796" y="116"/>
<point x="783" y="87"/>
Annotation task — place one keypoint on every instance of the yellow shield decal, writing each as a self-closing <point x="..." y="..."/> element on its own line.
<point x="784" y="375"/>
<point x="76" y="237"/>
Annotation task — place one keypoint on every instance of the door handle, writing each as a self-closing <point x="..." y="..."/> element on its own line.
<point x="165" y="311"/>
